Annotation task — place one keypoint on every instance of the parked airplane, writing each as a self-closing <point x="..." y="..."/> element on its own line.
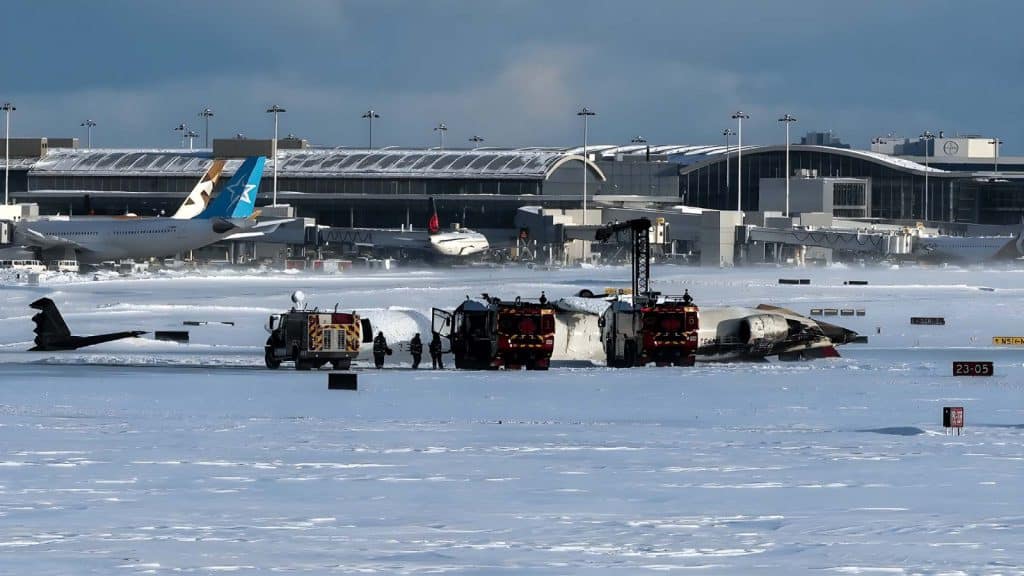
<point x="192" y="206"/>
<point x="92" y="239"/>
<point x="52" y="332"/>
<point x="431" y="241"/>
<point x="199" y="199"/>
<point x="970" y="249"/>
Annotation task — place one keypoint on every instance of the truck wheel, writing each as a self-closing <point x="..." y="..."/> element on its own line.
<point x="629" y="352"/>
<point x="343" y="364"/>
<point x="269" y="359"/>
<point x="609" y="354"/>
<point x="300" y="364"/>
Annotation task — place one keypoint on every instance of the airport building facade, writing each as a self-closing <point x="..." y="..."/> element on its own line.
<point x="482" y="188"/>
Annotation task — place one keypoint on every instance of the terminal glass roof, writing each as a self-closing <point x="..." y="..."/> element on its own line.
<point x="529" y="163"/>
<point x="508" y="163"/>
<point x="532" y="163"/>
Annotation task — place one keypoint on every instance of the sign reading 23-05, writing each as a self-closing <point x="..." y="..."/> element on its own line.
<point x="973" y="369"/>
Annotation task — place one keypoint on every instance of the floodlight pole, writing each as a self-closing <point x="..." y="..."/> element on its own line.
<point x="476" y="140"/>
<point x="275" y="110"/>
<point x="88" y="124"/>
<point x="370" y="115"/>
<point x="205" y="115"/>
<point x="7" y="108"/>
<point x="183" y="129"/>
<point x="727" y="132"/>
<point x="642" y="140"/>
<point x="788" y="120"/>
<point x="586" y="113"/>
<point x="926" y="136"/>
<point x="996" y="142"/>
<point x="739" y="117"/>
<point x="441" y="129"/>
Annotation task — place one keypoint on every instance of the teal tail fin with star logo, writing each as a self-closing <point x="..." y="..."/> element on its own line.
<point x="238" y="198"/>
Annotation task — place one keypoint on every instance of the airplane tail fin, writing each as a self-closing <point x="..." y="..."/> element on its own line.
<point x="1014" y="248"/>
<point x="433" y="224"/>
<point x="199" y="198"/>
<point x="50" y="326"/>
<point x="238" y="198"/>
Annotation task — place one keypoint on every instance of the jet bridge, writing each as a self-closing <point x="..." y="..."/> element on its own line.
<point x="881" y="243"/>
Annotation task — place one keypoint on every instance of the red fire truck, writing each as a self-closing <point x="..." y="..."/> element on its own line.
<point x="489" y="333"/>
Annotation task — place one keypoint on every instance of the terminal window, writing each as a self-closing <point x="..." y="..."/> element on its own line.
<point x="848" y="194"/>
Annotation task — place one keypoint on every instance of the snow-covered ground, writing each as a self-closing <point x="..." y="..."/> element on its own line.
<point x="151" y="457"/>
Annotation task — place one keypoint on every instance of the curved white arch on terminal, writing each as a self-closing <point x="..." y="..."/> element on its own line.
<point x="876" y="157"/>
<point x="575" y="158"/>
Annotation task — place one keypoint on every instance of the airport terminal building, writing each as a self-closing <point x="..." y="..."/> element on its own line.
<point x="483" y="187"/>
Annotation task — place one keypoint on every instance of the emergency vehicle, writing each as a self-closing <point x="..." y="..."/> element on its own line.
<point x="490" y="333"/>
<point x="312" y="338"/>
<point x="653" y="328"/>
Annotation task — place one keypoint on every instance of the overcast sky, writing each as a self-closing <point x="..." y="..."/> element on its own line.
<point x="513" y="72"/>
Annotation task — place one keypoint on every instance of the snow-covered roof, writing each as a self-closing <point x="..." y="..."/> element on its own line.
<point x="529" y="163"/>
<point x="103" y="162"/>
<point x="695" y="157"/>
<point x="507" y="163"/>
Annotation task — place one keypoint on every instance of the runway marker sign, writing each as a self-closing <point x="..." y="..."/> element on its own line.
<point x="1008" y="340"/>
<point x="974" y="368"/>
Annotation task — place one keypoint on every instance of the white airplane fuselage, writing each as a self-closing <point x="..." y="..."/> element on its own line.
<point x="970" y="249"/>
<point x="99" y="239"/>
<point x="459" y="243"/>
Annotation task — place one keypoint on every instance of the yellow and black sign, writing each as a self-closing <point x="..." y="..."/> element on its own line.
<point x="316" y="333"/>
<point x="352" y="336"/>
<point x="1008" y="340"/>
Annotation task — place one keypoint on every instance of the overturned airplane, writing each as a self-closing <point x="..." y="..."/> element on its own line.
<point x="52" y="332"/>
<point x="725" y="333"/>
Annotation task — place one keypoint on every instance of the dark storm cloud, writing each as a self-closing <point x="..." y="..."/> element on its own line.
<point x="514" y="72"/>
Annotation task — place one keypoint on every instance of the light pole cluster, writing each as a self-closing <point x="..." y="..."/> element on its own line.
<point x="206" y="114"/>
<point x="586" y="113"/>
<point x="88" y="125"/>
<point x="7" y="108"/>
<point x="727" y="132"/>
<point x="995" y="142"/>
<point x="928" y="137"/>
<point x="739" y="116"/>
<point x="476" y="140"/>
<point x="441" y="129"/>
<point x="787" y="119"/>
<point x="275" y="110"/>
<point x="183" y="129"/>
<point x="642" y="140"/>
<point x="370" y="115"/>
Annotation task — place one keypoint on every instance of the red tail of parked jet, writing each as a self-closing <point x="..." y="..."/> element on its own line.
<point x="434" y="224"/>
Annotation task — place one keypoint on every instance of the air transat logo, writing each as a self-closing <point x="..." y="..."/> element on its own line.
<point x="244" y="195"/>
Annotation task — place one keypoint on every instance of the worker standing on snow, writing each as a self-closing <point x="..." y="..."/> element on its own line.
<point x="380" y="350"/>
<point x="435" y="352"/>
<point x="416" y="348"/>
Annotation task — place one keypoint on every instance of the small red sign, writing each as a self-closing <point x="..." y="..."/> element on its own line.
<point x="953" y="417"/>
